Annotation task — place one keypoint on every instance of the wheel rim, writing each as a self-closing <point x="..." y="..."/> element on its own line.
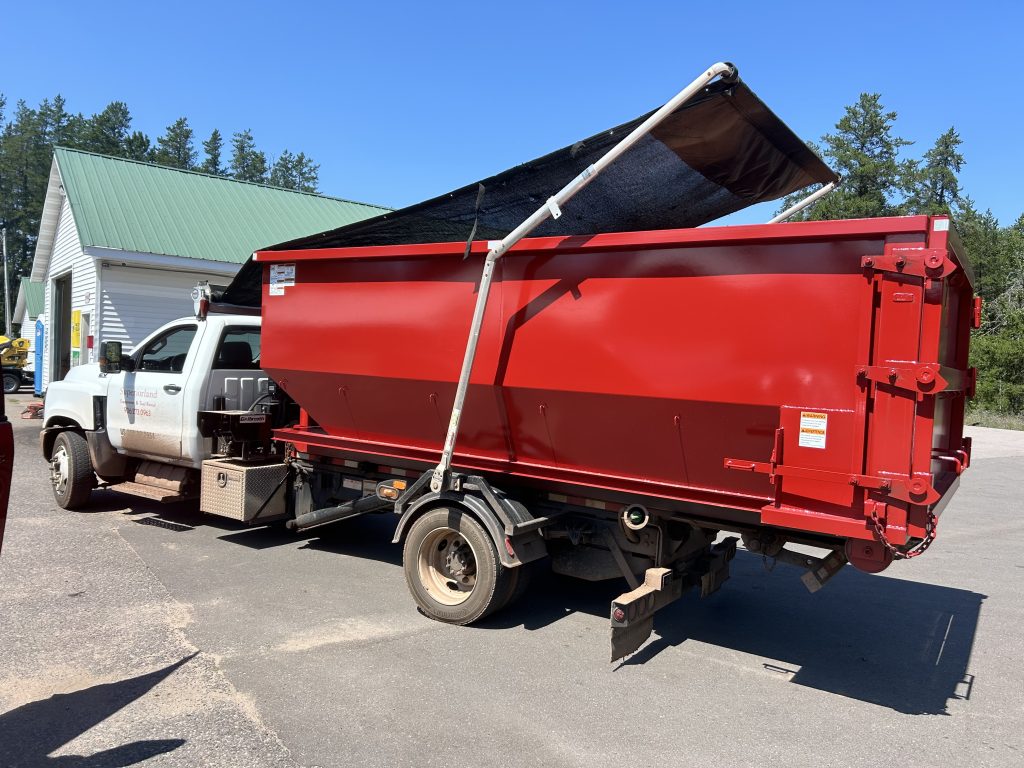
<point x="59" y="470"/>
<point x="447" y="566"/>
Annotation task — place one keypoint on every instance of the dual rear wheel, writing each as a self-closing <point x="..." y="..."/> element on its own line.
<point x="453" y="570"/>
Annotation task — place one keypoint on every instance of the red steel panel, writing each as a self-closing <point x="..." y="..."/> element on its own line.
<point x="639" y="362"/>
<point x="6" y="468"/>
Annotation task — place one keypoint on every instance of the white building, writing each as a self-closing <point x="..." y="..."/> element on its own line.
<point x="28" y="307"/>
<point x="122" y="243"/>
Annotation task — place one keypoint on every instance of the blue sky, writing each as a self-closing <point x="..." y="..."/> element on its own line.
<point x="401" y="101"/>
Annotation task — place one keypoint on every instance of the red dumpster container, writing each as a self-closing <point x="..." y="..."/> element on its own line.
<point x="802" y="376"/>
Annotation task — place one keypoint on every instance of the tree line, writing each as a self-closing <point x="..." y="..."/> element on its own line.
<point x="879" y="180"/>
<point x="29" y="134"/>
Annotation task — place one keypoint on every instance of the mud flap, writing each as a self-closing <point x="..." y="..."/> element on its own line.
<point x="632" y="613"/>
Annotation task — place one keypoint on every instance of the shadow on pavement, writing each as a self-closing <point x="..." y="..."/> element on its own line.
<point x="32" y="731"/>
<point x="367" y="537"/>
<point x="899" y="644"/>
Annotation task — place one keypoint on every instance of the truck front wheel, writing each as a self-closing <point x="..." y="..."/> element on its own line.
<point x="71" y="471"/>
<point x="452" y="567"/>
<point x="12" y="383"/>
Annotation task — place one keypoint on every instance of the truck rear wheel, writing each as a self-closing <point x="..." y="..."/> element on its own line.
<point x="71" y="471"/>
<point x="12" y="383"/>
<point x="452" y="567"/>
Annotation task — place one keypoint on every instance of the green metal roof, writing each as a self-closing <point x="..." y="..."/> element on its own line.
<point x="34" y="298"/>
<point x="133" y="206"/>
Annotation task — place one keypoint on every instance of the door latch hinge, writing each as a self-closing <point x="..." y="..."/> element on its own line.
<point x="920" y="262"/>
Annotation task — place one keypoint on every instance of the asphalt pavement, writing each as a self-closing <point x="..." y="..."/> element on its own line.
<point x="135" y="633"/>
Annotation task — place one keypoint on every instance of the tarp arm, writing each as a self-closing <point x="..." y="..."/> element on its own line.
<point x="797" y="207"/>
<point x="552" y="209"/>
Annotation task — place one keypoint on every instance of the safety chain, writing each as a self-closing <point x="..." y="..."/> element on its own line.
<point x="898" y="554"/>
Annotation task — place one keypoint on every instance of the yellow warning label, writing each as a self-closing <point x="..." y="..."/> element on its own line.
<point x="813" y="429"/>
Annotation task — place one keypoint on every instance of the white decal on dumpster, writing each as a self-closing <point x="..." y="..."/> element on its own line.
<point x="813" y="428"/>
<point x="281" y="276"/>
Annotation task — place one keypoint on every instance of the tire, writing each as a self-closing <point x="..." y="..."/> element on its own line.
<point x="12" y="383"/>
<point x="71" y="472"/>
<point x="452" y="567"/>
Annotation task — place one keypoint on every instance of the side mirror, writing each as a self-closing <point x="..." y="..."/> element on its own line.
<point x="111" y="360"/>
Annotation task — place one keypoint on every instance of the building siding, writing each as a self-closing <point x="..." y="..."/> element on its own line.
<point x="136" y="301"/>
<point x="68" y="257"/>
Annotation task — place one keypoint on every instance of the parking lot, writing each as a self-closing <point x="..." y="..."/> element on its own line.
<point x="133" y="630"/>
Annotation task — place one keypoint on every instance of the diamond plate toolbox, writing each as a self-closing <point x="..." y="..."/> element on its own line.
<point x="237" y="490"/>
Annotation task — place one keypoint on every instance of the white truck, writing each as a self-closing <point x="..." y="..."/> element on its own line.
<point x="135" y="430"/>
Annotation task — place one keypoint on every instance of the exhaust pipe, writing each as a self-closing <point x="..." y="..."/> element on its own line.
<point x="333" y="514"/>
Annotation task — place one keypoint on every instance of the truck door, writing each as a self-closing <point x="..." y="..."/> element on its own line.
<point x="145" y="406"/>
<point x="234" y="382"/>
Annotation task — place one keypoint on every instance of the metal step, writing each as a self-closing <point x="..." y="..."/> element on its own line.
<point x="163" y="495"/>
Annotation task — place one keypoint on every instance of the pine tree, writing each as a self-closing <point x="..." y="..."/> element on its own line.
<point x="24" y="173"/>
<point x="213" y="147"/>
<point x="865" y="153"/>
<point x="138" y="147"/>
<point x="107" y="131"/>
<point x="295" y="172"/>
<point x="282" y="171"/>
<point x="937" y="187"/>
<point x="60" y="127"/>
<point x="247" y="163"/>
<point x="27" y="139"/>
<point x="306" y="173"/>
<point x="175" y="147"/>
<point x="986" y="246"/>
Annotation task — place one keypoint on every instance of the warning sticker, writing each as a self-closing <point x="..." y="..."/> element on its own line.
<point x="813" y="428"/>
<point x="281" y="276"/>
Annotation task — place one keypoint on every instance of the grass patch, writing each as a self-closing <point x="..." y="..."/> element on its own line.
<point x="983" y="417"/>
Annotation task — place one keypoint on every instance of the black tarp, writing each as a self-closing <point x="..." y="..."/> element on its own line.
<point x="720" y="152"/>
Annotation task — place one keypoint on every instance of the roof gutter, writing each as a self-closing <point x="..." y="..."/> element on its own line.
<point x="160" y="261"/>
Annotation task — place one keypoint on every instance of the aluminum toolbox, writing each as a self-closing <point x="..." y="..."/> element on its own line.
<point x="238" y="490"/>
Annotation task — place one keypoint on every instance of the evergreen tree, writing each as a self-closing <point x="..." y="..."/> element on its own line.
<point x="60" y="127"/>
<point x="937" y="187"/>
<point x="247" y="163"/>
<point x="138" y="147"/>
<point x="28" y="136"/>
<point x="107" y="131"/>
<point x="175" y="147"/>
<point x="295" y="172"/>
<point x="865" y="153"/>
<point x="24" y="173"/>
<point x="213" y="147"/>
<point x="988" y="248"/>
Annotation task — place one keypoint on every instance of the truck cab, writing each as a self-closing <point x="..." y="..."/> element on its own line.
<point x="132" y="421"/>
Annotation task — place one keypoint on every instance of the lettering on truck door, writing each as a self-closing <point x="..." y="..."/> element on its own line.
<point x="145" y="406"/>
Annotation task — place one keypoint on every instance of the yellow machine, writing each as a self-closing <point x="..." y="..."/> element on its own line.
<point x="13" y="358"/>
<point x="13" y="352"/>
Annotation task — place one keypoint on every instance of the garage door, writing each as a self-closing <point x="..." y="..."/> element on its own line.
<point x="135" y="301"/>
